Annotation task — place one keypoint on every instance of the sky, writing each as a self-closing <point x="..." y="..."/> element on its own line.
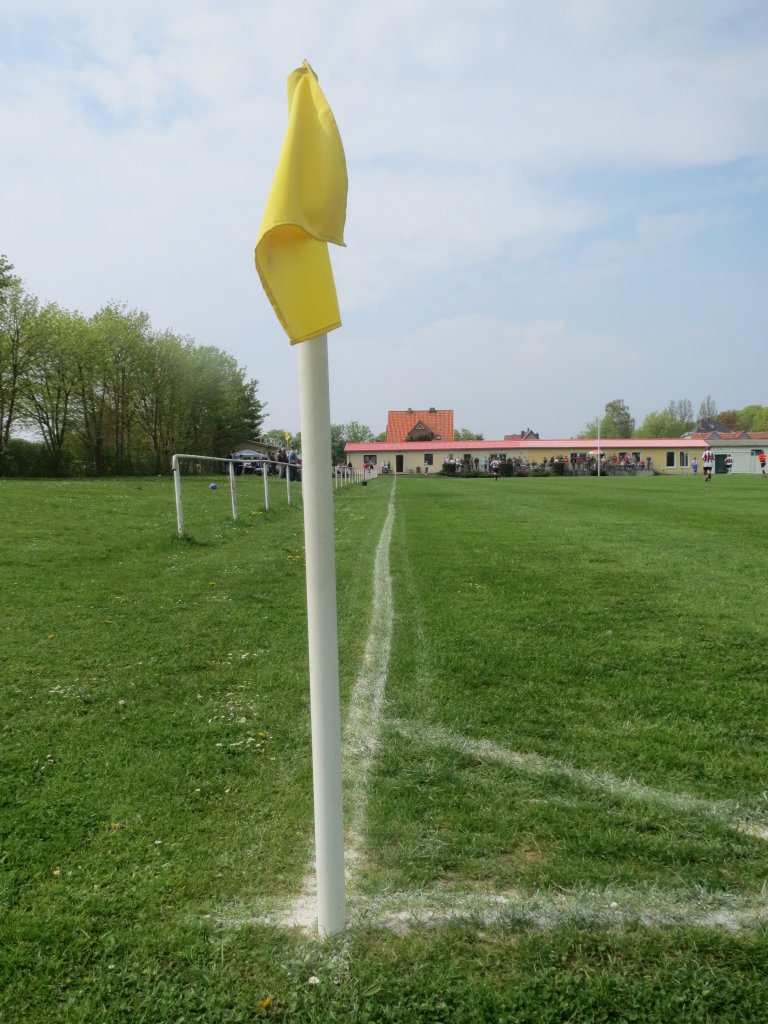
<point x="552" y="205"/>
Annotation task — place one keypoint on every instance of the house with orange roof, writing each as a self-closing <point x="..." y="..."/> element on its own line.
<point x="407" y="425"/>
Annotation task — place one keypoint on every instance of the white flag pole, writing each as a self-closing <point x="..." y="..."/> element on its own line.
<point x="322" y="633"/>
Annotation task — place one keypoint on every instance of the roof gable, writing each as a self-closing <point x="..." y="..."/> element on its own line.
<point x="402" y="423"/>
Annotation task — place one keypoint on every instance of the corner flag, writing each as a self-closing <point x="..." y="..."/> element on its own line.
<point x="306" y="209"/>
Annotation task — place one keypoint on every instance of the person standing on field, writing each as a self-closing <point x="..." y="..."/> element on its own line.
<point x="708" y="462"/>
<point x="761" y="460"/>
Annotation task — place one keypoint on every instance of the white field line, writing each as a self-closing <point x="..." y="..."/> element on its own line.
<point x="614" y="907"/>
<point x="748" y="821"/>
<point x="363" y="728"/>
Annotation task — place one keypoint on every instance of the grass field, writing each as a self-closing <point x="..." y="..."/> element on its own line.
<point x="566" y="814"/>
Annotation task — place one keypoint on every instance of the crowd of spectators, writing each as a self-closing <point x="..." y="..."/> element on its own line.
<point x="281" y="463"/>
<point x="578" y="464"/>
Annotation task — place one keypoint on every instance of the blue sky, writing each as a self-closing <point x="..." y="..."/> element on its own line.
<point x="551" y="206"/>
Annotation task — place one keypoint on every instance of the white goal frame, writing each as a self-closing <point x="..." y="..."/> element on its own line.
<point x="176" y="469"/>
<point x="342" y="477"/>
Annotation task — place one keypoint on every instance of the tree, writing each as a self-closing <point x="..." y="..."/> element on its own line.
<point x="463" y="434"/>
<point x="113" y="393"/>
<point x="18" y="339"/>
<point x="223" y="406"/>
<point x="344" y="433"/>
<point x="358" y="432"/>
<point x="51" y="381"/>
<point x="161" y="383"/>
<point x="754" y="417"/>
<point x="730" y="418"/>
<point x="616" y="421"/>
<point x="674" y="421"/>
<point x="682" y="410"/>
<point x="6" y="276"/>
<point x="338" y="441"/>
<point x="708" y="408"/>
<point x="123" y="334"/>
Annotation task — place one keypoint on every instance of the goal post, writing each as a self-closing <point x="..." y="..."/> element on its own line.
<point x="263" y="464"/>
<point x="176" y="467"/>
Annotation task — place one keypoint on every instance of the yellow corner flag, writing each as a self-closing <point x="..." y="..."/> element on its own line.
<point x="306" y="209"/>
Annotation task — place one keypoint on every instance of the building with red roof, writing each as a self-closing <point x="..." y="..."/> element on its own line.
<point x="421" y="440"/>
<point x="420" y="425"/>
<point x="665" y="455"/>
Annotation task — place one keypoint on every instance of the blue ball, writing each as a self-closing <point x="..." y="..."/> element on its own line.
<point x="212" y="487"/>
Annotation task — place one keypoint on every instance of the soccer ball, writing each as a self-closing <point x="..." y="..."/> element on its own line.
<point x="212" y="487"/>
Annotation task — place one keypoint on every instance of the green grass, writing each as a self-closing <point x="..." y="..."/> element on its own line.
<point x="619" y="629"/>
<point x="155" y="759"/>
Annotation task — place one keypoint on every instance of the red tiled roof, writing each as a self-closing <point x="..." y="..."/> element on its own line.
<point x="736" y="435"/>
<point x="573" y="444"/>
<point x="401" y="422"/>
<point x="731" y="435"/>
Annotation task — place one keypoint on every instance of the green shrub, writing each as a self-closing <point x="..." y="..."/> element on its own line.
<point x="29" y="458"/>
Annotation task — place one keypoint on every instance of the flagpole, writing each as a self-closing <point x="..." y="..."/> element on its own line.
<point x="317" y="494"/>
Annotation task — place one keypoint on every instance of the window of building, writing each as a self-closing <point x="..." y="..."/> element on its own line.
<point x="371" y="459"/>
<point x="428" y="459"/>
<point x="670" y="460"/>
<point x="683" y="460"/>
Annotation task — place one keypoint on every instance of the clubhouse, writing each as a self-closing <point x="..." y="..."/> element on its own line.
<point x="669" y="455"/>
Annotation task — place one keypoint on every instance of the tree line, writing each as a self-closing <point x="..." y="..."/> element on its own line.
<point x="108" y="394"/>
<point x="674" y="420"/>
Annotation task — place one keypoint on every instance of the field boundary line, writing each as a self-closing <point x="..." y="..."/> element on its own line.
<point x="748" y="821"/>
<point x="402" y="911"/>
<point x="364" y="721"/>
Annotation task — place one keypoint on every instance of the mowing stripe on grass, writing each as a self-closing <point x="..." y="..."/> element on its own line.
<point x="749" y="821"/>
